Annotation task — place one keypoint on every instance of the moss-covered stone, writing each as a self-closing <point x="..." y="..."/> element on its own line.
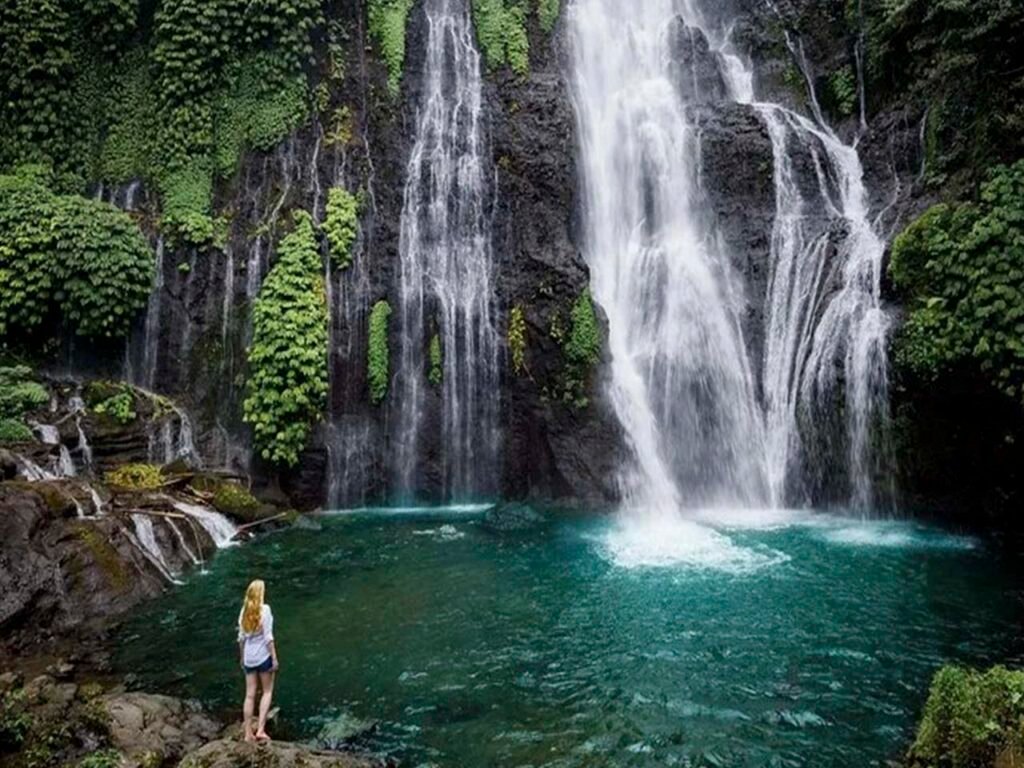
<point x="135" y="477"/>
<point x="235" y="501"/>
<point x="105" y="555"/>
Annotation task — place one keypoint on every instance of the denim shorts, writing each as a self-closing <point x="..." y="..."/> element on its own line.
<point x="265" y="666"/>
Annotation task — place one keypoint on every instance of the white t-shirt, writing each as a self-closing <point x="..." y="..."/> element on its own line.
<point x="256" y="649"/>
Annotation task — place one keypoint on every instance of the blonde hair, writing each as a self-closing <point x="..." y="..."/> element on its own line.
<point x="252" y="607"/>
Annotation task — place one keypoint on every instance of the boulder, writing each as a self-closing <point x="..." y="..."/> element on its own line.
<point x="514" y="517"/>
<point x="156" y="729"/>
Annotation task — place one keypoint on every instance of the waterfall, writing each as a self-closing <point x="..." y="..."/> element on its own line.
<point x="446" y="270"/>
<point x="220" y="529"/>
<point x="709" y="423"/>
<point x="145" y="541"/>
<point x="682" y="383"/>
<point x="151" y="335"/>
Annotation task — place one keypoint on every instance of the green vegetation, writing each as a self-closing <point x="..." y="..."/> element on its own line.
<point x="288" y="358"/>
<point x="378" y="353"/>
<point x="387" y="20"/>
<point x="436" y="373"/>
<point x="501" y="33"/>
<point x="234" y="500"/>
<point x="64" y="255"/>
<point x="341" y="225"/>
<point x="962" y="59"/>
<point x="119" y="407"/>
<point x="14" y="431"/>
<point x="517" y="339"/>
<point x="842" y="90"/>
<point x="15" y="722"/>
<point x="971" y="719"/>
<point x="135" y="477"/>
<point x="582" y="350"/>
<point x="107" y="758"/>
<point x="548" y="12"/>
<point x="962" y="269"/>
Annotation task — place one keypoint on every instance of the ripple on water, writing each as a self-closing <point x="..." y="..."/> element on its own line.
<point x="895" y="535"/>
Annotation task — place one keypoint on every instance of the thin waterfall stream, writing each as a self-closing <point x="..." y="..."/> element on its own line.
<point x="446" y="277"/>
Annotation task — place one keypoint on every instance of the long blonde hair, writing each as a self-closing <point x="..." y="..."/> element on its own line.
<point x="252" y="607"/>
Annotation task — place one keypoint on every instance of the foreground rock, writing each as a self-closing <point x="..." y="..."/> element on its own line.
<point x="149" y="729"/>
<point x="236" y="754"/>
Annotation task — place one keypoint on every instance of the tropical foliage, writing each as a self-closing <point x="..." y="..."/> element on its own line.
<point x="68" y="257"/>
<point x="971" y="718"/>
<point x="288" y="375"/>
<point x="962" y="268"/>
<point x="341" y="225"/>
<point x="378" y="353"/>
<point x="387" y="19"/>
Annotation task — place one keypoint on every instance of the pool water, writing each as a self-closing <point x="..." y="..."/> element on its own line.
<point x="809" y="642"/>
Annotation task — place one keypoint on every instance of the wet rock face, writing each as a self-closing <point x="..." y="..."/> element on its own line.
<point x="60" y="574"/>
<point x="695" y="70"/>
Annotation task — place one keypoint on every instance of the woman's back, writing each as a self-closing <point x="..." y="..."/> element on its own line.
<point x="256" y="644"/>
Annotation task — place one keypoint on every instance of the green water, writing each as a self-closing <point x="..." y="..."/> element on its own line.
<point x="477" y="649"/>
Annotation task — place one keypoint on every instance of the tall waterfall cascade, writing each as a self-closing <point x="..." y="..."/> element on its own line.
<point x="712" y="421"/>
<point x="446" y="273"/>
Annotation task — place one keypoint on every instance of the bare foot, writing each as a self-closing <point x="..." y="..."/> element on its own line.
<point x="249" y="737"/>
<point x="261" y="736"/>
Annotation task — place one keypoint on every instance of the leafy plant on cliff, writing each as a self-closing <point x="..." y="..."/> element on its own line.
<point x="517" y="339"/>
<point x="970" y="718"/>
<point x="341" y="225"/>
<point x="966" y="62"/>
<point x="387" y="20"/>
<point x="842" y="88"/>
<point x="436" y="373"/>
<point x="65" y="255"/>
<point x="20" y="392"/>
<point x="119" y="407"/>
<point x="501" y="33"/>
<point x="962" y="269"/>
<point x="581" y="348"/>
<point x="548" y="12"/>
<point x="14" y="431"/>
<point x="287" y="386"/>
<point x="378" y="353"/>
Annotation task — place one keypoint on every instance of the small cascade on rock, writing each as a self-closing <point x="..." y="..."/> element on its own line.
<point x="220" y="529"/>
<point x="446" y="273"/>
<point x="173" y="439"/>
<point x="64" y="465"/>
<point x="710" y="422"/>
<point x="146" y="375"/>
<point x="145" y="540"/>
<point x="98" y="507"/>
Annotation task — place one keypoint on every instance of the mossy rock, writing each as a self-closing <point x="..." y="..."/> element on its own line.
<point x="56" y="499"/>
<point x="235" y="501"/>
<point x="107" y="558"/>
<point x="96" y="392"/>
<point x="135" y="477"/>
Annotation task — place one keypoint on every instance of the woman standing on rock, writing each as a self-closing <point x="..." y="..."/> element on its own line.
<point x="258" y="656"/>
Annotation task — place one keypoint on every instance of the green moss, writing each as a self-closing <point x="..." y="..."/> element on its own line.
<point x="95" y="392"/>
<point x="105" y="555"/>
<point x="15" y="721"/>
<point x="135" y="477"/>
<point x="517" y="339"/>
<point x="378" y="352"/>
<point x="234" y="500"/>
<point x="341" y="225"/>
<point x="501" y="33"/>
<point x="387" y="22"/>
<point x="970" y="719"/>
<point x="287" y="386"/>
<point x="582" y="350"/>
<point x="436" y="373"/>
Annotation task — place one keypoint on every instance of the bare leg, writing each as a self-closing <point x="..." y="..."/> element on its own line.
<point x="249" y="706"/>
<point x="267" y="684"/>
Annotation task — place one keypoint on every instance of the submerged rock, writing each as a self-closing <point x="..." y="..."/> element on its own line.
<point x="508" y="518"/>
<point x="342" y="731"/>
